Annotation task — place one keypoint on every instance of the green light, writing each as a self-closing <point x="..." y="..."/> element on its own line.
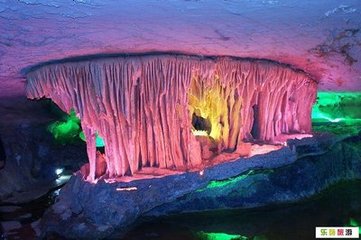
<point x="223" y="183"/>
<point x="99" y="142"/>
<point x="219" y="236"/>
<point x="337" y="107"/>
<point x="337" y="112"/>
<point x="233" y="180"/>
<point x="67" y="130"/>
<point x="354" y="223"/>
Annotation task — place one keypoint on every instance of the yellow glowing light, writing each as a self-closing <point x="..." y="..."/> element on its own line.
<point x="209" y="102"/>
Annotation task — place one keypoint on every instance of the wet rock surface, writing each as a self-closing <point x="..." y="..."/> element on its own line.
<point x="28" y="173"/>
<point x="305" y="177"/>
<point x="98" y="210"/>
<point x="32" y="155"/>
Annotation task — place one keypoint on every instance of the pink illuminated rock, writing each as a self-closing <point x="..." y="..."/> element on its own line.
<point x="143" y="105"/>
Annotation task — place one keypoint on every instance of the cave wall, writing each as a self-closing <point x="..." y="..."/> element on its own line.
<point x="337" y="107"/>
<point x="30" y="156"/>
<point x="140" y="104"/>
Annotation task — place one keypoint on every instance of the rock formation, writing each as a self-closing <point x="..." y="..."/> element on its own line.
<point x="293" y="173"/>
<point x="143" y="105"/>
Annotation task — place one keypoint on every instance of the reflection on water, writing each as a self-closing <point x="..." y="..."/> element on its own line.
<point x="21" y="219"/>
<point x="338" y="206"/>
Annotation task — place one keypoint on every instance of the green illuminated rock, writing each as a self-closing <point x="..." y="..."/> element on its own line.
<point x="337" y="107"/>
<point x="219" y="236"/>
<point x="337" y="112"/>
<point x="99" y="142"/>
<point x="67" y="130"/>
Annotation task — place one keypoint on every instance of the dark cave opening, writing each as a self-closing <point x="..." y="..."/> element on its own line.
<point x="101" y="149"/>
<point x="201" y="124"/>
<point x="255" y="127"/>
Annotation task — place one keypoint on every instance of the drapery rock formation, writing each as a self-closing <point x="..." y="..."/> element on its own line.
<point x="143" y="105"/>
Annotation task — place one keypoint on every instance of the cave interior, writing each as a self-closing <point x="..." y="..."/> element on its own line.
<point x="115" y="112"/>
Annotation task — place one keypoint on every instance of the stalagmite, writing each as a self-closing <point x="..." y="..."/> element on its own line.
<point x="142" y="105"/>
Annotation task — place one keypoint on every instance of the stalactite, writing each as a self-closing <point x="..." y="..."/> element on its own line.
<point x="142" y="106"/>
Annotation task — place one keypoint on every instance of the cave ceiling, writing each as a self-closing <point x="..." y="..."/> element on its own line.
<point x="321" y="37"/>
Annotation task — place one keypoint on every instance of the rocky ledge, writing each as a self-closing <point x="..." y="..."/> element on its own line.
<point x="303" y="168"/>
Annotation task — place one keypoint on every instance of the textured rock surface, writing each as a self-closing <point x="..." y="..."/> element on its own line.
<point x="143" y="105"/>
<point x="264" y="179"/>
<point x="322" y="37"/>
<point x="31" y="153"/>
<point x="320" y="163"/>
